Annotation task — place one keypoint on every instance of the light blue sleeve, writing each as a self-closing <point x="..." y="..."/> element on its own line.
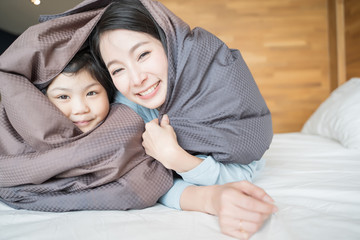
<point x="211" y="172"/>
<point x="145" y="113"/>
<point x="172" y="197"/>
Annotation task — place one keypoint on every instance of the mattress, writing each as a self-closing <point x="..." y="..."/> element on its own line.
<point x="314" y="180"/>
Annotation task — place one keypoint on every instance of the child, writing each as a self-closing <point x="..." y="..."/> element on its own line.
<point x="47" y="163"/>
<point x="80" y="92"/>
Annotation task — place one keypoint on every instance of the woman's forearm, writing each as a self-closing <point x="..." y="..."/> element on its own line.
<point x="182" y="161"/>
<point x="211" y="172"/>
<point x="198" y="198"/>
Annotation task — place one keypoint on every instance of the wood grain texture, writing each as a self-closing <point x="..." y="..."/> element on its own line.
<point x="352" y="37"/>
<point x="284" y="42"/>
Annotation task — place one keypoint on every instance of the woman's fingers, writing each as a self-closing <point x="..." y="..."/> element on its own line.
<point x="165" y="120"/>
<point x="245" y="195"/>
<point x="240" y="213"/>
<point x="238" y="228"/>
<point x="254" y="191"/>
<point x="256" y="198"/>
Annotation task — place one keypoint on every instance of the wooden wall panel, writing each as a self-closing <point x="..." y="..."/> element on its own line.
<point x="284" y="42"/>
<point x="352" y="37"/>
<point x="336" y="43"/>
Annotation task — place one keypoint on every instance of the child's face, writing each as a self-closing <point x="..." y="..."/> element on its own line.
<point x="81" y="98"/>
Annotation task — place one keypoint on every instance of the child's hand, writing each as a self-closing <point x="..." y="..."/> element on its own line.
<point x="159" y="141"/>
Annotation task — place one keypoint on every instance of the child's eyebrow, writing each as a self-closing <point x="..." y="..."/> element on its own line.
<point x="60" y="88"/>
<point x="70" y="89"/>
<point x="93" y="84"/>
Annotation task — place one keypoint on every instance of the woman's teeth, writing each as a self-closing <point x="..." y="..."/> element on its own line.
<point x="150" y="90"/>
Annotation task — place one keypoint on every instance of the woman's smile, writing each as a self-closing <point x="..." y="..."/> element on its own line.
<point x="150" y="92"/>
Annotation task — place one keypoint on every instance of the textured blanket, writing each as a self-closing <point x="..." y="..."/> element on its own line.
<point x="213" y="101"/>
<point x="46" y="162"/>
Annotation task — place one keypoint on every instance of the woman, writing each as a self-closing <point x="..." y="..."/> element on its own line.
<point x="151" y="64"/>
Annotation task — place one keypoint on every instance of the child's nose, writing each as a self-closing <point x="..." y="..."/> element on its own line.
<point x="80" y="106"/>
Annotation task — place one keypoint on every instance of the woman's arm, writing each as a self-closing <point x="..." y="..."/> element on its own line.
<point x="160" y="142"/>
<point x="211" y="172"/>
<point x="241" y="207"/>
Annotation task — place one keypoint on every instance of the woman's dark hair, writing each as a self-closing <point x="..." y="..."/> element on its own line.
<point x="84" y="60"/>
<point x="124" y="14"/>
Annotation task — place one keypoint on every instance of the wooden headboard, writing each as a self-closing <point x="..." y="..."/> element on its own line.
<point x="298" y="51"/>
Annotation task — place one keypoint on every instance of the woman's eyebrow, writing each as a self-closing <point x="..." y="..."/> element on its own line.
<point x="138" y="45"/>
<point x="132" y="49"/>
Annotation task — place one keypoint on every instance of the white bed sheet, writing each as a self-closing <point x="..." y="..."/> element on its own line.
<point x="314" y="181"/>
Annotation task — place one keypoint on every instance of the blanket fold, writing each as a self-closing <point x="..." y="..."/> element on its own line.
<point x="46" y="162"/>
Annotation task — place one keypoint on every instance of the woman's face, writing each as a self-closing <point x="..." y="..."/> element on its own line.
<point x="138" y="66"/>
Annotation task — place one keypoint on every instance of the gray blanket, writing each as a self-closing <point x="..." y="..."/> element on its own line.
<point x="213" y="101"/>
<point x="46" y="162"/>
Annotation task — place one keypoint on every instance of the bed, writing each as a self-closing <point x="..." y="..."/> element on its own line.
<point x="313" y="175"/>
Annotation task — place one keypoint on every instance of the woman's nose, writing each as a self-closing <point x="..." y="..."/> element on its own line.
<point x="80" y="106"/>
<point x="137" y="77"/>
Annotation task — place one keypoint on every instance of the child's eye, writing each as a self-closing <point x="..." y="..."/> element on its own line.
<point x="92" y="93"/>
<point x="144" y="54"/>
<point x="63" y="97"/>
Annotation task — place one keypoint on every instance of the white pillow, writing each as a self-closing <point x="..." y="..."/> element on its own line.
<point x="338" y="117"/>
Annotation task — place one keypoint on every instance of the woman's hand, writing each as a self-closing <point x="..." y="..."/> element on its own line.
<point x="241" y="206"/>
<point x="159" y="141"/>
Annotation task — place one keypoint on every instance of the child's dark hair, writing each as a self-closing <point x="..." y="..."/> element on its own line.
<point x="84" y="60"/>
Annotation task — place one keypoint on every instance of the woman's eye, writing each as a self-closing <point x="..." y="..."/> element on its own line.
<point x="143" y="55"/>
<point x="63" y="97"/>
<point x="92" y="93"/>
<point x="116" y="71"/>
